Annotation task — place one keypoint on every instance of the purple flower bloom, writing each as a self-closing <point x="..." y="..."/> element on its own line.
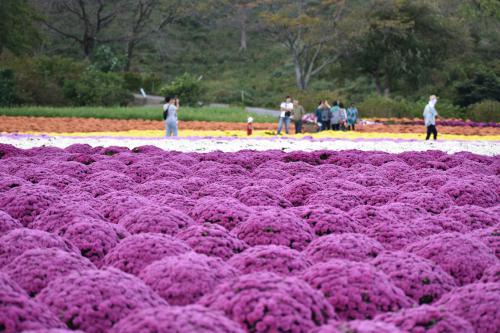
<point x="427" y="319"/>
<point x="463" y="257"/>
<point x="94" y="300"/>
<point x="356" y="290"/>
<point x="270" y="258"/>
<point x="226" y="212"/>
<point x="156" y="219"/>
<point x="7" y="223"/>
<point x="183" y="279"/>
<point x="137" y="251"/>
<point x="261" y="196"/>
<point x="265" y="302"/>
<point x="212" y="240"/>
<point x="274" y="226"/>
<point x="476" y="303"/>
<point x="350" y="246"/>
<point x="421" y="279"/>
<point x="168" y="319"/>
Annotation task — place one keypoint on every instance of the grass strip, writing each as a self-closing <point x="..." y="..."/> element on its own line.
<point x="229" y="115"/>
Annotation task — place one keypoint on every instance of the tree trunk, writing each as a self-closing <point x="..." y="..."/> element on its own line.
<point x="243" y="37"/>
<point x="88" y="46"/>
<point x="299" y="77"/>
<point x="130" y="54"/>
<point x="387" y="86"/>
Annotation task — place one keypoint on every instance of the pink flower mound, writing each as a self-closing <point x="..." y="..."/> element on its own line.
<point x="474" y="217"/>
<point x="427" y="318"/>
<point x="270" y="258"/>
<point x="269" y="173"/>
<point x="93" y="238"/>
<point x="175" y="201"/>
<point x="441" y="221"/>
<point x="463" y="257"/>
<point x="368" y="180"/>
<point x="94" y="300"/>
<point x="404" y="211"/>
<point x="62" y="213"/>
<point x="298" y="191"/>
<point x="274" y="226"/>
<point x="431" y="201"/>
<point x="491" y="274"/>
<point x="60" y="182"/>
<point x="468" y="191"/>
<point x="212" y="240"/>
<point x="226" y="212"/>
<point x="266" y="302"/>
<point x="434" y="182"/>
<point x="343" y="200"/>
<point x="7" y="223"/>
<point x="19" y="313"/>
<point x="476" y="303"/>
<point x="112" y="179"/>
<point x="358" y="326"/>
<point x="368" y="216"/>
<point x="171" y="319"/>
<point x="193" y="184"/>
<point x="115" y="205"/>
<point x="8" y="182"/>
<point x="26" y="202"/>
<point x="261" y="196"/>
<point x="325" y="220"/>
<point x="156" y="219"/>
<point x="184" y="279"/>
<point x="34" y="269"/>
<point x="356" y="290"/>
<point x="215" y="190"/>
<point x="378" y="196"/>
<point x="421" y="279"/>
<point x="17" y="241"/>
<point x="350" y="246"/>
<point x="155" y="187"/>
<point x="7" y="285"/>
<point x="135" y="252"/>
<point x="52" y="330"/>
<point x="490" y="237"/>
<point x="396" y="234"/>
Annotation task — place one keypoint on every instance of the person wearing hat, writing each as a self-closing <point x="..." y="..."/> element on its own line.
<point x="430" y="115"/>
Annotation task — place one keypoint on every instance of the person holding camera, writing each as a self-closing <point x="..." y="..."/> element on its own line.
<point x="286" y="112"/>
<point x="170" y="110"/>
<point x="298" y="113"/>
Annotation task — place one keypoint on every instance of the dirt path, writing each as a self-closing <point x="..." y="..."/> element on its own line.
<point x="72" y="125"/>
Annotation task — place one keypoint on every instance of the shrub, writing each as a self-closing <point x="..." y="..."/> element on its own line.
<point x="7" y="87"/>
<point x="186" y="87"/>
<point x="485" y="111"/>
<point x="97" y="88"/>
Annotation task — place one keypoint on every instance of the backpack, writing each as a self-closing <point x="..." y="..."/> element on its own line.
<point x="165" y="112"/>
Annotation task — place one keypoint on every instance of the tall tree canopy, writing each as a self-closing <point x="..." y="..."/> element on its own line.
<point x="17" y="32"/>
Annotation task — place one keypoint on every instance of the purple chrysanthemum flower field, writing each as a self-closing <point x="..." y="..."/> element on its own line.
<point x="97" y="240"/>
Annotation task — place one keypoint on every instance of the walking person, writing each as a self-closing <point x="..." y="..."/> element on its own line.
<point x="170" y="110"/>
<point x="319" y="111"/>
<point x="286" y="112"/>
<point x="430" y="115"/>
<point x="352" y="117"/>
<point x="336" y="117"/>
<point x="298" y="113"/>
<point x="343" y="117"/>
<point x="326" y="116"/>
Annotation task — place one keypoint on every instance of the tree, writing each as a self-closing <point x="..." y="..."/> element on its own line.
<point x="17" y="32"/>
<point x="401" y="40"/>
<point x="308" y="30"/>
<point x="82" y="21"/>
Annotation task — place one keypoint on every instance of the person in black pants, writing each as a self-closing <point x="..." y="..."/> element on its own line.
<point x="431" y="129"/>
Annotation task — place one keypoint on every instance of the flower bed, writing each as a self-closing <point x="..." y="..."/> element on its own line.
<point x="124" y="240"/>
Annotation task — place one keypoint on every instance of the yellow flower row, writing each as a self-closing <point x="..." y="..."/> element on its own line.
<point x="270" y="134"/>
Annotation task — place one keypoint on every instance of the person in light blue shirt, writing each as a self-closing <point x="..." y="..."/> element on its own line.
<point x="170" y="110"/>
<point x="336" y="118"/>
<point x="430" y="115"/>
<point x="352" y="117"/>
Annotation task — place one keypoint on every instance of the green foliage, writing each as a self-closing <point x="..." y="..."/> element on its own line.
<point x="7" y="87"/>
<point x="17" y="32"/>
<point x="486" y="111"/>
<point x="146" y="113"/>
<point x="384" y="107"/>
<point x="310" y="99"/>
<point x="484" y="85"/>
<point x="151" y="83"/>
<point x="106" y="60"/>
<point x="187" y="87"/>
<point x="97" y="88"/>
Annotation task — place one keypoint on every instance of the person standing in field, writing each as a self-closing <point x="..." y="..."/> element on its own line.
<point x="170" y="110"/>
<point x="286" y="109"/>
<point x="343" y="117"/>
<point x="352" y="117"/>
<point x="430" y="115"/>
<point x="298" y="113"/>
<point x="326" y="117"/>
<point x="336" y="116"/>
